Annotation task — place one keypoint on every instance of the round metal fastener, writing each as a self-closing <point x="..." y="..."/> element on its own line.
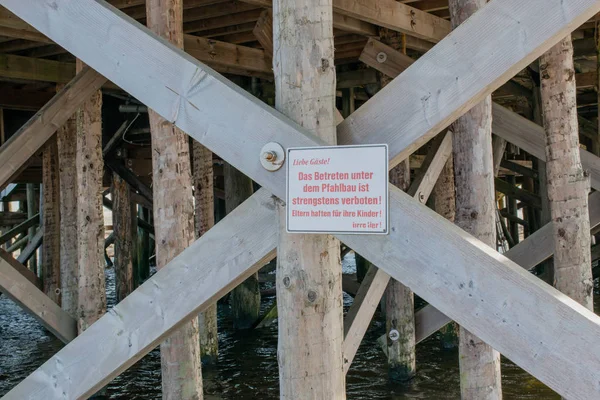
<point x="381" y="57"/>
<point x="272" y="156"/>
<point x="394" y="335"/>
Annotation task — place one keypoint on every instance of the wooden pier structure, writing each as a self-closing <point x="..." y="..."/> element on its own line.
<point x="490" y="112"/>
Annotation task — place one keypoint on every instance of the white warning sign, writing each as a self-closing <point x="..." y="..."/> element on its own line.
<point x="337" y="189"/>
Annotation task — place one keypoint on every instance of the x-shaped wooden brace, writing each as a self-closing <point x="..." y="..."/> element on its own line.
<point x="543" y="331"/>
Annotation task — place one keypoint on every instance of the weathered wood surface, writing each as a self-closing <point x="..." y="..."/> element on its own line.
<point x="23" y="270"/>
<point x="204" y="219"/>
<point x="264" y="32"/>
<point x="506" y="337"/>
<point x="31" y="247"/>
<point x="568" y="183"/>
<point x="66" y="138"/>
<point x="373" y="286"/>
<point x="15" y="153"/>
<point x="538" y="247"/>
<point x="530" y="137"/>
<point x="451" y="80"/>
<point x="91" y="301"/>
<point x="50" y="262"/>
<point x="123" y="227"/>
<point x="22" y="227"/>
<point x="309" y="271"/>
<point x="19" y="289"/>
<point x="147" y="316"/>
<point x="173" y="215"/>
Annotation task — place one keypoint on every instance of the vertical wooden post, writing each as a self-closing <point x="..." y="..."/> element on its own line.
<point x="568" y="183"/>
<point x="444" y="197"/>
<point x="204" y="218"/>
<point x="475" y="213"/>
<point x="143" y="248"/>
<point x="399" y="299"/>
<point x="309" y="284"/>
<point x="90" y="218"/>
<point x="51" y="222"/>
<point x="31" y="211"/>
<point x="173" y="216"/>
<point x="511" y="204"/>
<point x="2" y="132"/>
<point x="596" y="141"/>
<point x="123" y="225"/>
<point x="245" y="298"/>
<point x="66" y="138"/>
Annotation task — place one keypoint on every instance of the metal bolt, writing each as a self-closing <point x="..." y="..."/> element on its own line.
<point x="394" y="335"/>
<point x="286" y="281"/>
<point x="270" y="156"/>
<point x="57" y="291"/>
<point x="421" y="197"/>
<point x="381" y="57"/>
<point x="312" y="296"/>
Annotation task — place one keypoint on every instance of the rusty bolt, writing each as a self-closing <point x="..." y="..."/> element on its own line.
<point x="270" y="156"/>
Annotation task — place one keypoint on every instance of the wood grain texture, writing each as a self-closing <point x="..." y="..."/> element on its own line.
<point x="19" y="289"/>
<point x="173" y="216"/>
<point x="123" y="225"/>
<point x="51" y="222"/>
<point x="15" y="153"/>
<point x="23" y="270"/>
<point x="66" y="138"/>
<point x="451" y="80"/>
<point x="150" y="314"/>
<point x="204" y="219"/>
<point x="376" y="280"/>
<point x="530" y="137"/>
<point x="309" y="271"/>
<point x="91" y="302"/>
<point x="563" y="373"/>
<point x="567" y="182"/>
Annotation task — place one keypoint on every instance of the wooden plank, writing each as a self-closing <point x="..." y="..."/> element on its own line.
<point x="505" y="123"/>
<point x="235" y="252"/>
<point x="517" y="193"/>
<point x="396" y="16"/>
<point x="538" y="247"/>
<point x="18" y="67"/>
<point x="35" y="302"/>
<point x="22" y="227"/>
<point x="451" y="81"/>
<point x="23" y="270"/>
<point x="376" y="281"/>
<point x="186" y="77"/>
<point x="530" y="137"/>
<point x="16" y="152"/>
<point x="384" y="58"/>
<point x="10" y="218"/>
<point x="218" y="54"/>
<point x="31" y="248"/>
<point x="263" y="31"/>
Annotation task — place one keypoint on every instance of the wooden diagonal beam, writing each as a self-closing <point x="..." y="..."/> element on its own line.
<point x="23" y="292"/>
<point x="16" y="152"/>
<point x="506" y="124"/>
<point x="529" y="253"/>
<point x="22" y="227"/>
<point x="31" y="247"/>
<point x="376" y="280"/>
<point x="23" y="270"/>
<point x="191" y="97"/>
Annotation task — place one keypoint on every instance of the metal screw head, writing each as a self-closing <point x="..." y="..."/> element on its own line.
<point x="312" y="296"/>
<point x="270" y="156"/>
<point x="394" y="335"/>
<point x="421" y="197"/>
<point x="381" y="57"/>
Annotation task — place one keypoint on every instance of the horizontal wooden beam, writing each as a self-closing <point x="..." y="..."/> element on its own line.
<point x="34" y="69"/>
<point x="11" y="218"/>
<point x="20" y="99"/>
<point x="19" y="289"/>
<point x="517" y="193"/>
<point x="16" y="152"/>
<point x="201" y="103"/>
<point x="20" y="228"/>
